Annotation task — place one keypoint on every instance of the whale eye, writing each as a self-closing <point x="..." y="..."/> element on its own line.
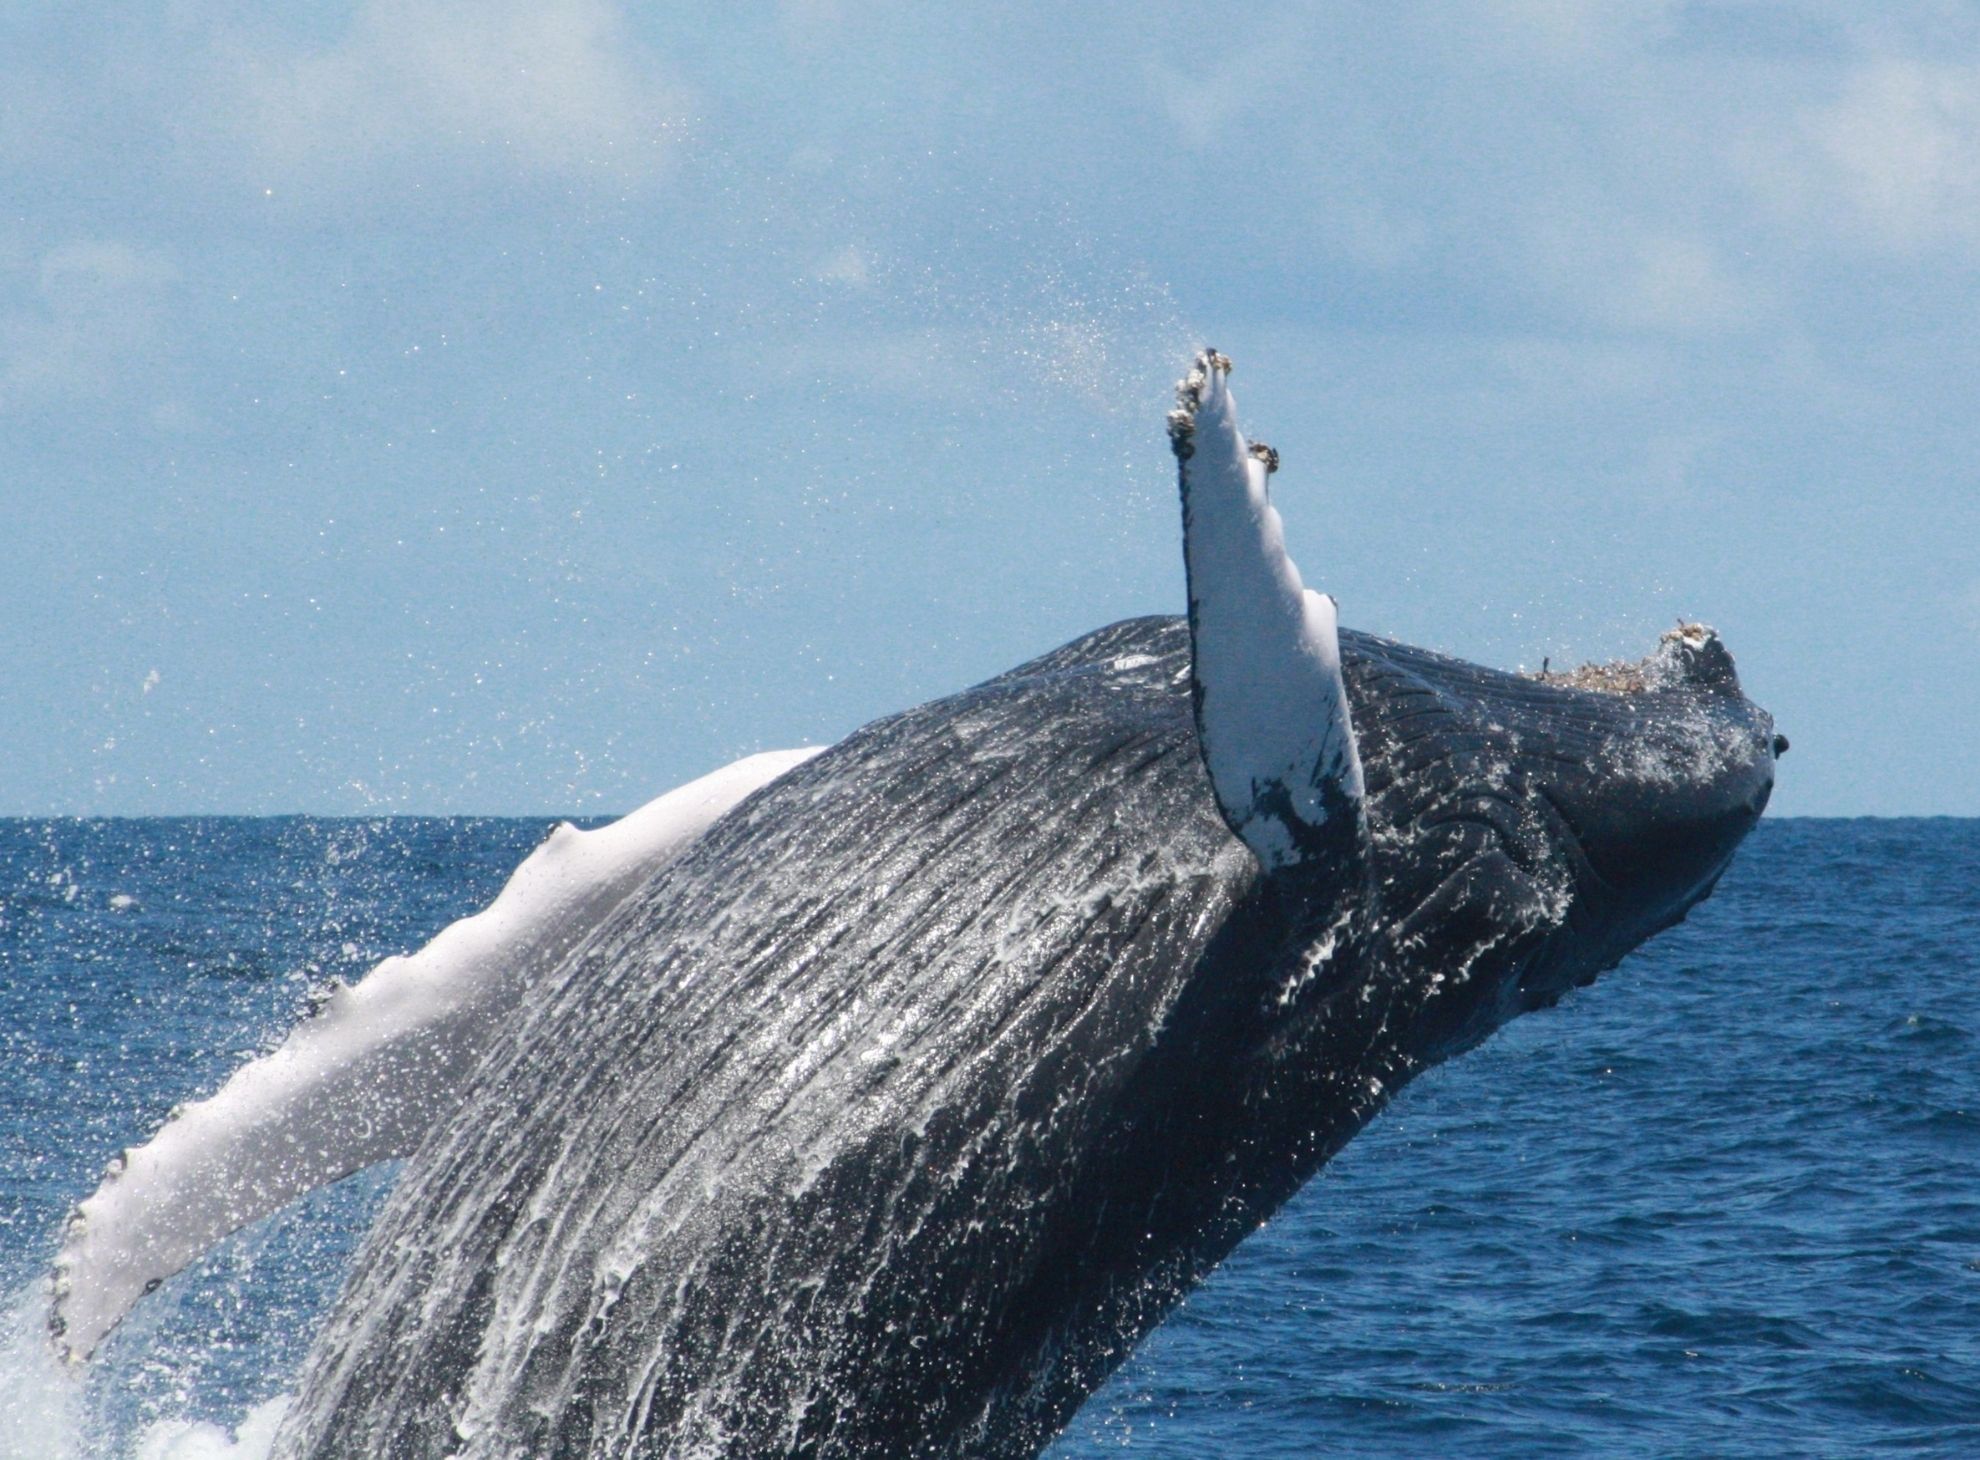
<point x="1780" y="746"/>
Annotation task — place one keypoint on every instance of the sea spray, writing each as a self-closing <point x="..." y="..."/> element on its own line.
<point x="41" y="1405"/>
<point x="45" y="1413"/>
<point x="253" y="1439"/>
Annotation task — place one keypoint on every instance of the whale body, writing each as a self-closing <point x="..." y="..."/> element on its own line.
<point x="895" y="1106"/>
<point x="889" y="1116"/>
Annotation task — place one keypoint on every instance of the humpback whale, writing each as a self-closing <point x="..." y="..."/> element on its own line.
<point x="898" y="1100"/>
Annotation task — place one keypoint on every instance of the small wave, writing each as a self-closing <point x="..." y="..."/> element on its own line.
<point x="1925" y="1031"/>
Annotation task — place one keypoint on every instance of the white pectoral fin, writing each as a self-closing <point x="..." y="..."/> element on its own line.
<point x="363" y="1078"/>
<point x="1271" y="704"/>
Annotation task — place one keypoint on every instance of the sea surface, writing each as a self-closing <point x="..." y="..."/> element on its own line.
<point x="1726" y="1202"/>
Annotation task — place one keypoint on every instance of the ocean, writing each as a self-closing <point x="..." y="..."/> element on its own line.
<point x="1726" y="1202"/>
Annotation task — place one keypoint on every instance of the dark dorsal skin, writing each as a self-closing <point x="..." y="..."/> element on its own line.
<point x="885" y="1121"/>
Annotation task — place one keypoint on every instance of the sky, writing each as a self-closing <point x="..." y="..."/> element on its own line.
<point x="502" y="407"/>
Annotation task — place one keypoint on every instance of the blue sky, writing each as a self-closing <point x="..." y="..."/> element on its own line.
<point x="503" y="407"/>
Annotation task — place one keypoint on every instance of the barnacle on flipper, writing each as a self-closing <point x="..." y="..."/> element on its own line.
<point x="1189" y="396"/>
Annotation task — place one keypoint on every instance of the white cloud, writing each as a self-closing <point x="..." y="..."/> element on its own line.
<point x="1905" y="139"/>
<point x="1200" y="105"/>
<point x="1674" y="464"/>
<point x="177" y="418"/>
<point x="90" y="315"/>
<point x="1583" y="30"/>
<point x="1645" y="268"/>
<point x="802" y="17"/>
<point x="848" y="266"/>
<point x="35" y="115"/>
<point x="1895" y="157"/>
<point x="1212" y="91"/>
<point x="92" y="274"/>
<point x="555" y="88"/>
<point x="1679" y="284"/>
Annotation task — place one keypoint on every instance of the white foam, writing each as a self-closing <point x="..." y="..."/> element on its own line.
<point x="41" y="1404"/>
<point x="178" y="1439"/>
<point x="46" y="1414"/>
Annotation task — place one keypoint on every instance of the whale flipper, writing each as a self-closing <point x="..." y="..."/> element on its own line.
<point x="1271" y="706"/>
<point x="363" y="1078"/>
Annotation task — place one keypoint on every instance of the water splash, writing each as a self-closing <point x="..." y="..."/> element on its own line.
<point x="41" y="1403"/>
<point x="46" y="1414"/>
<point x="253" y="1439"/>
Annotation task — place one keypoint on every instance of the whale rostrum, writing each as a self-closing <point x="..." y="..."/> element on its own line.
<point x="884" y="1114"/>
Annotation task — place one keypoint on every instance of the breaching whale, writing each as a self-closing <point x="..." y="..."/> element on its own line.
<point x="896" y="1103"/>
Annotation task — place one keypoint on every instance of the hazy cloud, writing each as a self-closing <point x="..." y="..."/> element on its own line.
<point x="87" y="311"/>
<point x="1902" y="145"/>
<point x="554" y="88"/>
<point x="1678" y="284"/>
<point x="1966" y="605"/>
<point x="1584" y="30"/>
<point x="1884" y="157"/>
<point x="848" y="266"/>
<point x="1202" y="101"/>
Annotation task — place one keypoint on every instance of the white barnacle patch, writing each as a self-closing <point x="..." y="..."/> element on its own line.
<point x="1271" y="706"/>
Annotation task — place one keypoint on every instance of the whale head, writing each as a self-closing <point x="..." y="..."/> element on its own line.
<point x="1658" y="815"/>
<point x="1504" y="837"/>
<point x="1527" y="831"/>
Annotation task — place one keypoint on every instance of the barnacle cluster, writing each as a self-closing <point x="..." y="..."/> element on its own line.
<point x="1189" y="397"/>
<point x="1689" y="652"/>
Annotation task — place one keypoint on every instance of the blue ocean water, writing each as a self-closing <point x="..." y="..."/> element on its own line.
<point x="1727" y="1202"/>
